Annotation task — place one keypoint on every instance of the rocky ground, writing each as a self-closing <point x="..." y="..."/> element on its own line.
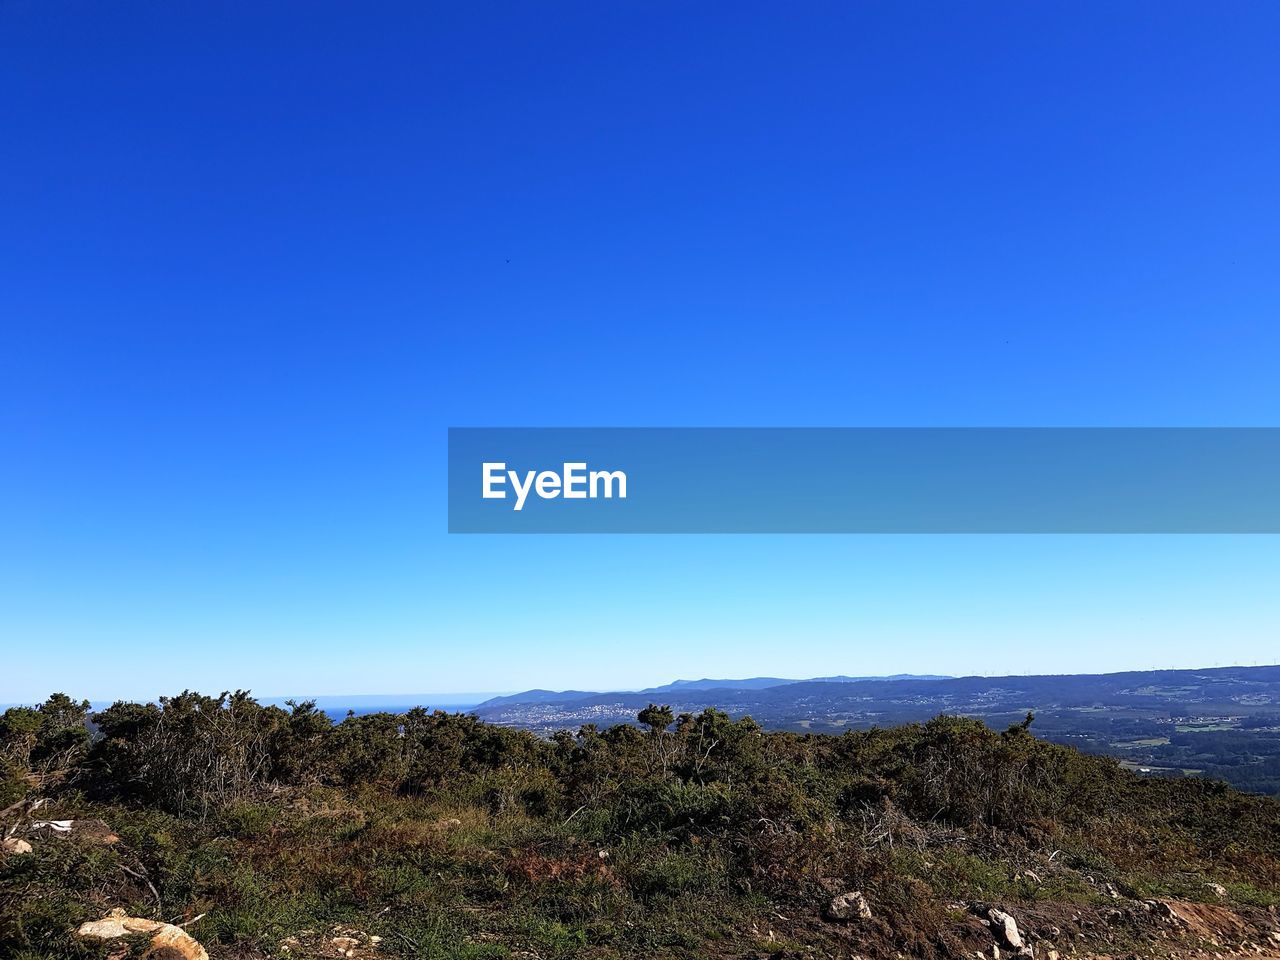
<point x="850" y="924"/>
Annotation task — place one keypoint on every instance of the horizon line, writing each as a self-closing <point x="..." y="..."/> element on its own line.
<point x="603" y="690"/>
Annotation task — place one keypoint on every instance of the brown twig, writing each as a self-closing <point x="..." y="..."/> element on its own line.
<point x="145" y="879"/>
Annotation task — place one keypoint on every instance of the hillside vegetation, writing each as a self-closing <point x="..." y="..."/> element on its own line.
<point x="1223" y="723"/>
<point x="436" y="835"/>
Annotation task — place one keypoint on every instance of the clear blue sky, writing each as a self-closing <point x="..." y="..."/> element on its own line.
<point x="255" y="258"/>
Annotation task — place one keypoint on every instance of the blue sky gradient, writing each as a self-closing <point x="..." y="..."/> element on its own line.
<point x="255" y="258"/>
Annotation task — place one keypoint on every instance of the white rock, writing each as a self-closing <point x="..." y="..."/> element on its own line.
<point x="849" y="906"/>
<point x="14" y="846"/>
<point x="1007" y="926"/>
<point x="118" y="924"/>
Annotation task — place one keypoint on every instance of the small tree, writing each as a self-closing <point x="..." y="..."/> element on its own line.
<point x="656" y="718"/>
<point x="1023" y="725"/>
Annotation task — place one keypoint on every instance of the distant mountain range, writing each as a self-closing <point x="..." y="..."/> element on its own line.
<point x="685" y="686"/>
<point x="536" y="696"/>
<point x="839" y="702"/>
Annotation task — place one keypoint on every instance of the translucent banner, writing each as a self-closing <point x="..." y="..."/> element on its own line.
<point x="864" y="480"/>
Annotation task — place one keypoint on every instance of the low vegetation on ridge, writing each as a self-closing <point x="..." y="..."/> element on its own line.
<point x="436" y="835"/>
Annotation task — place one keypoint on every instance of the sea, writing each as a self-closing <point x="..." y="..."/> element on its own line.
<point x="339" y="706"/>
